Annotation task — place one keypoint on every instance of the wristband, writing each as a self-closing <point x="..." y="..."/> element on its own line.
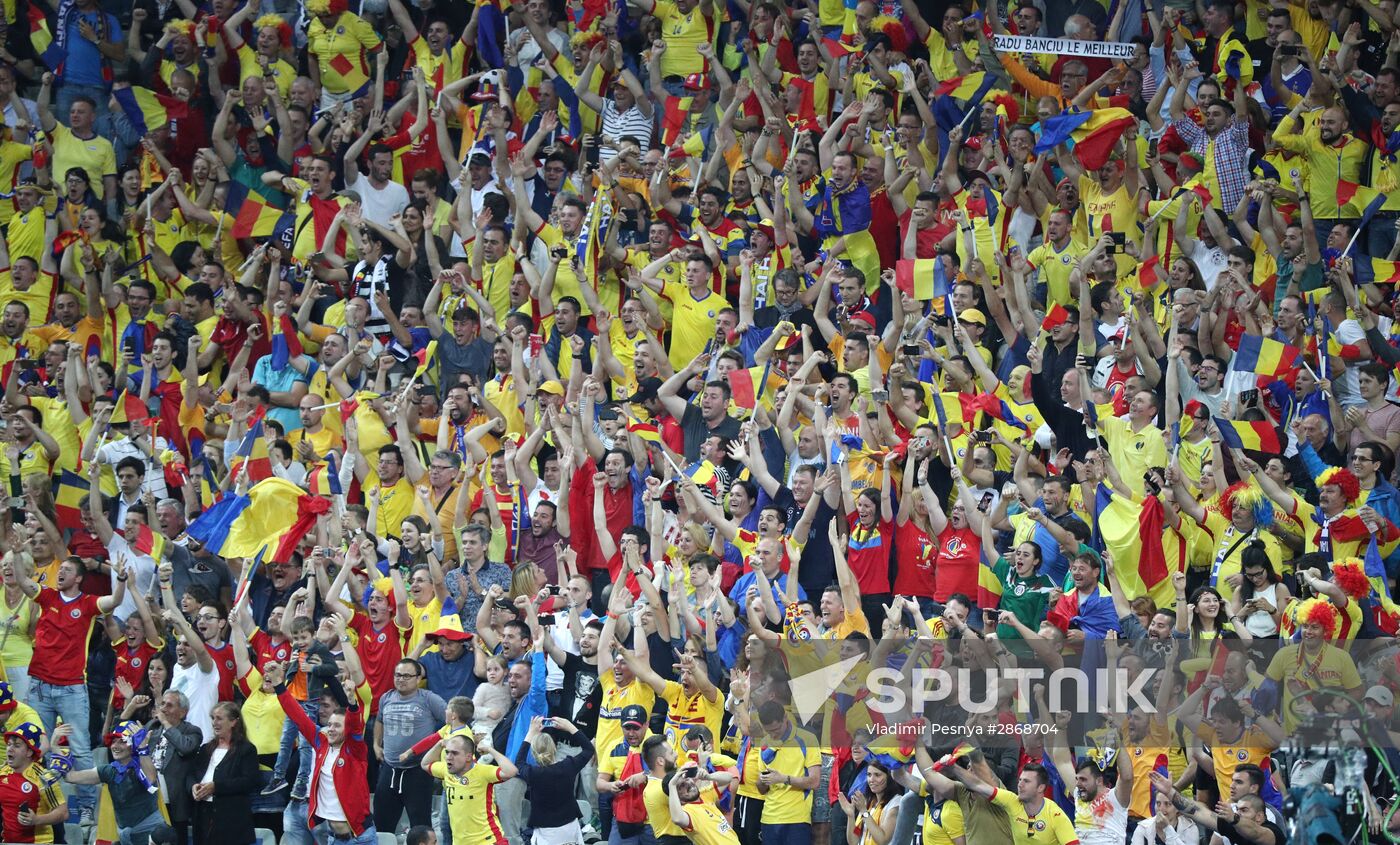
<point x="612" y="614"/>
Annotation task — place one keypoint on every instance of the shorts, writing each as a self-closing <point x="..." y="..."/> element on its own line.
<point x="821" y="800"/>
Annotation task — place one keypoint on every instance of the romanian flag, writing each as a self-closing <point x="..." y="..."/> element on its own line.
<point x="491" y="32"/>
<point x="1355" y="200"/>
<point x="147" y="110"/>
<point x="645" y="431"/>
<point x="989" y="586"/>
<point x="1258" y="435"/>
<point x="256" y="217"/>
<point x="991" y="405"/>
<point x="695" y="143"/>
<point x="961" y="87"/>
<point x="675" y="112"/>
<point x="1094" y="132"/>
<point x="923" y="279"/>
<point x="285" y="343"/>
<point x="1375" y="271"/>
<point x="702" y="472"/>
<point x="238" y="526"/>
<point x="253" y="450"/>
<point x="746" y="387"/>
<point x="42" y="39"/>
<point x="1132" y="534"/>
<point x="68" y="499"/>
<point x="427" y="357"/>
<point x="1264" y="356"/>
<point x="1058" y="315"/>
<point x="837" y="49"/>
<point x="324" y="480"/>
<point x="149" y="543"/>
<point x="130" y="409"/>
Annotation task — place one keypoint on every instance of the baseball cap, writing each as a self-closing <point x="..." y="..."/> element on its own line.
<point x="865" y="317"/>
<point x="972" y="315"/>
<point x="552" y="386"/>
<point x="646" y="390"/>
<point x="122" y="730"/>
<point x="29" y="733"/>
<point x="696" y="82"/>
<point x="1381" y="695"/>
<point x="634" y="716"/>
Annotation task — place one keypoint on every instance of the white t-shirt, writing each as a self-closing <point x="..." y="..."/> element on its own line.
<point x="142" y="569"/>
<point x="327" y="801"/>
<point x="1210" y="260"/>
<point x="1103" y="821"/>
<point x="202" y="689"/>
<point x="379" y="205"/>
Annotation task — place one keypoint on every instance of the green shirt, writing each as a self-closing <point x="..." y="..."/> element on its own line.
<point x="1025" y="597"/>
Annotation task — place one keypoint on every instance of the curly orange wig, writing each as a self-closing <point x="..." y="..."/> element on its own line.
<point x="327" y="7"/>
<point x="893" y="29"/>
<point x="1350" y="575"/>
<point x="1319" y="612"/>
<point x="1343" y="480"/>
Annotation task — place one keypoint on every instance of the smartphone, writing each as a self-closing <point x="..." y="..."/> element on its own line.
<point x="27" y="364"/>
<point x="881" y="396"/>
<point x="911" y="350"/>
<point x="547" y="722"/>
<point x="982" y="436"/>
<point x="1287" y="50"/>
<point x="536" y="344"/>
<point x="1120" y="241"/>
<point x="129" y="346"/>
<point x="1249" y="397"/>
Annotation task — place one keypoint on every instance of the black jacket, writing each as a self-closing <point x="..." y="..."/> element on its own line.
<point x="175" y="751"/>
<point x="228" y="818"/>
<point x="546" y="783"/>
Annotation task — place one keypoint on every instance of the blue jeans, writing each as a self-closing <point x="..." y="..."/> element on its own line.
<point x="69" y="703"/>
<point x="296" y="831"/>
<point x="367" y="837"/>
<point x="642" y="836"/>
<point x="140" y="833"/>
<point x="292" y="738"/>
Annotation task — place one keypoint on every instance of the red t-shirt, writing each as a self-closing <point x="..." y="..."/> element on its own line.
<point x="223" y="661"/>
<point x="868" y="554"/>
<point x="415" y="156"/>
<point x="36" y="787"/>
<point x="925" y="242"/>
<point x="266" y="651"/>
<point x="132" y="663"/>
<point x="380" y="649"/>
<point x="955" y="570"/>
<point x="61" y="638"/>
<point x="914" y="553"/>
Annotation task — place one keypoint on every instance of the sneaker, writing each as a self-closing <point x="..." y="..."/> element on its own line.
<point x="277" y="785"/>
<point x="298" y="791"/>
<point x="86" y="818"/>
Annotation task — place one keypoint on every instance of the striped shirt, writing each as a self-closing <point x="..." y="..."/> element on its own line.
<point x="631" y="123"/>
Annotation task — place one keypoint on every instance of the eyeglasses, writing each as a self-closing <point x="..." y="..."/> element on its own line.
<point x="409" y="677"/>
<point x="443" y="468"/>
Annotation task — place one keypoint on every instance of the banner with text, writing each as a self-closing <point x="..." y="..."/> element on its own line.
<point x="1063" y="47"/>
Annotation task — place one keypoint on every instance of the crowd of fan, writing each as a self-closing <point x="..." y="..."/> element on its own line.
<point x="621" y="356"/>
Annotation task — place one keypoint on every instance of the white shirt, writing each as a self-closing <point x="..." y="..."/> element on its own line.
<point x="1185" y="832"/>
<point x="327" y="801"/>
<point x="214" y="760"/>
<point x="142" y="570"/>
<point x="1103" y="821"/>
<point x="114" y="451"/>
<point x="379" y="204"/>
<point x="1210" y="260"/>
<point x="202" y="689"/>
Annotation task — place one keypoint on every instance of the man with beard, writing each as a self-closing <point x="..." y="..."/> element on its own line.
<point x="493" y="265"/>
<point x="710" y="417"/>
<point x="1332" y="153"/>
<point x="1246" y="822"/>
<point x="315" y="204"/>
<point x="624" y="344"/>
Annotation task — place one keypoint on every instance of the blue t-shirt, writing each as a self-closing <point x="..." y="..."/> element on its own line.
<point x="83" y="64"/>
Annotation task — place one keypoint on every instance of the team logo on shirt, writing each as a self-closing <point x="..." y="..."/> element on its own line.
<point x="340" y="762"/>
<point x="1020" y="590"/>
<point x="380" y="638"/>
<point x="340" y="30"/>
<point x="136" y="663"/>
<point x="281" y="654"/>
<point x="75" y="613"/>
<point x="26" y="787"/>
<point x="1039" y="825"/>
<point x="954" y="546"/>
<point x="228" y="664"/>
<point x="1242" y="754"/>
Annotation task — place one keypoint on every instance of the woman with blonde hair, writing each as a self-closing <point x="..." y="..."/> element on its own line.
<point x="18" y="617"/>
<point x="555" y="822"/>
